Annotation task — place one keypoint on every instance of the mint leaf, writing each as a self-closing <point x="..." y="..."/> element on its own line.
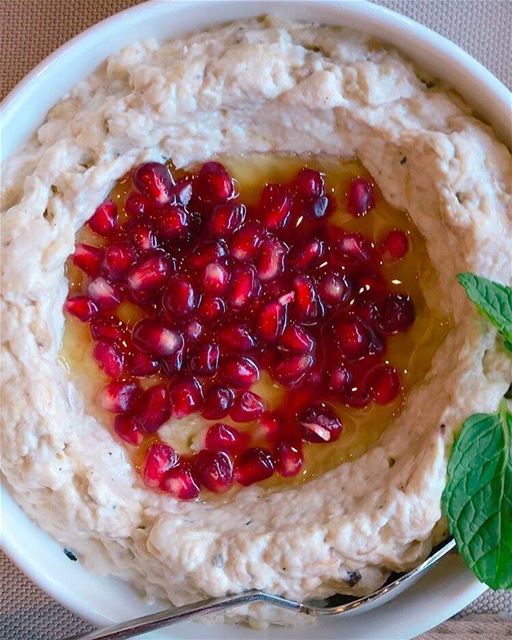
<point x="494" y="300"/>
<point x="477" y="499"/>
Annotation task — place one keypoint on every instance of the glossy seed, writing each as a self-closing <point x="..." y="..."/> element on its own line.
<point x="152" y="336"/>
<point x="154" y="180"/>
<point x="180" y="482"/>
<point x="319" y="424"/>
<point x="254" y="465"/>
<point x="248" y="406"/>
<point x="160" y="458"/>
<point x="240" y="372"/>
<point x="214" y="470"/>
<point x="224" y="437"/>
<point x="217" y="403"/>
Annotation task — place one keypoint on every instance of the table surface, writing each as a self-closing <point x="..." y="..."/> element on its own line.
<point x="29" y="32"/>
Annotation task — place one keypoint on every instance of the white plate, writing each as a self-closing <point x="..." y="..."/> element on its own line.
<point x="449" y="587"/>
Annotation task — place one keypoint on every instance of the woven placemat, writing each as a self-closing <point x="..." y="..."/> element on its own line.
<point x="29" y="31"/>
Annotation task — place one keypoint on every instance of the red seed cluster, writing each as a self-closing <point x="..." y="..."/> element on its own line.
<point x="227" y="291"/>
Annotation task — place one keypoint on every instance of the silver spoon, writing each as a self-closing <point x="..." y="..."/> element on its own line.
<point x="314" y="607"/>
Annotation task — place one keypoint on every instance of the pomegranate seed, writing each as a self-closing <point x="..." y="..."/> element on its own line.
<point x="150" y="274"/>
<point x="318" y="208"/>
<point x="143" y="237"/>
<point x="310" y="183"/>
<point x="110" y="329"/>
<point x="155" y="408"/>
<point x="214" y="184"/>
<point x="397" y="313"/>
<point x="193" y="330"/>
<point x="319" y="424"/>
<point x="173" y="364"/>
<point x="154" y="180"/>
<point x="334" y="289"/>
<point x="173" y="222"/>
<point x="180" y="483"/>
<point x="87" y="258"/>
<point x="340" y="379"/>
<point x="305" y="305"/>
<point x="360" y="196"/>
<point x="243" y="286"/>
<point x="236" y="338"/>
<point x="218" y="402"/>
<point x="254" y="465"/>
<point x="82" y="307"/>
<point x="187" y="397"/>
<point x="272" y="321"/>
<point x="137" y="205"/>
<point x="240" y="372"/>
<point x="145" y="299"/>
<point x="296" y="338"/>
<point x="182" y="191"/>
<point x="357" y="398"/>
<point x="275" y="205"/>
<point x="205" y="252"/>
<point x="104" y="220"/>
<point x="118" y="260"/>
<point x="245" y="242"/>
<point x="205" y="359"/>
<point x="215" y="278"/>
<point x="289" y="459"/>
<point x="119" y="397"/>
<point x="110" y="358"/>
<point x="179" y="299"/>
<point x="214" y="470"/>
<point x="354" y="249"/>
<point x="160" y="458"/>
<point x="384" y="384"/>
<point x="305" y="255"/>
<point x="226" y="218"/>
<point x="127" y="429"/>
<point x="291" y="371"/>
<point x="210" y="308"/>
<point x="104" y="293"/>
<point x="352" y="337"/>
<point x="270" y="259"/>
<point x="395" y="245"/>
<point x="153" y="337"/>
<point x="142" y="365"/>
<point x="223" y="437"/>
<point x="247" y="407"/>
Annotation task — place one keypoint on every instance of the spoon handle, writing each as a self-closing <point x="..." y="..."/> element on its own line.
<point x="154" y="621"/>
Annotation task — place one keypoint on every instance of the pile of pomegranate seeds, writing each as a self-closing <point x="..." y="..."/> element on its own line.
<point x="226" y="291"/>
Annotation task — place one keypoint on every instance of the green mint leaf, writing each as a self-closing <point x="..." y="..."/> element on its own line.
<point x="477" y="500"/>
<point x="494" y="300"/>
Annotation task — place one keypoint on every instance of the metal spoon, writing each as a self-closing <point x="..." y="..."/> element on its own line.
<point x="333" y="606"/>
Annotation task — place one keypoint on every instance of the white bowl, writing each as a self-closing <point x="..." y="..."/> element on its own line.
<point x="449" y="587"/>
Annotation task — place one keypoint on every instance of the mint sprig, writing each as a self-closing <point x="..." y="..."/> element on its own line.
<point x="477" y="499"/>
<point x="492" y="299"/>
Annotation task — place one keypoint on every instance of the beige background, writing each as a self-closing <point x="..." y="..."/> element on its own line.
<point x="29" y="31"/>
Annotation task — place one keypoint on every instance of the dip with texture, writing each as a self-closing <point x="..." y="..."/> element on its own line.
<point x="258" y="86"/>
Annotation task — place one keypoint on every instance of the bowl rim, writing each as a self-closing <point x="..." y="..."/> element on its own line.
<point x="501" y="96"/>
